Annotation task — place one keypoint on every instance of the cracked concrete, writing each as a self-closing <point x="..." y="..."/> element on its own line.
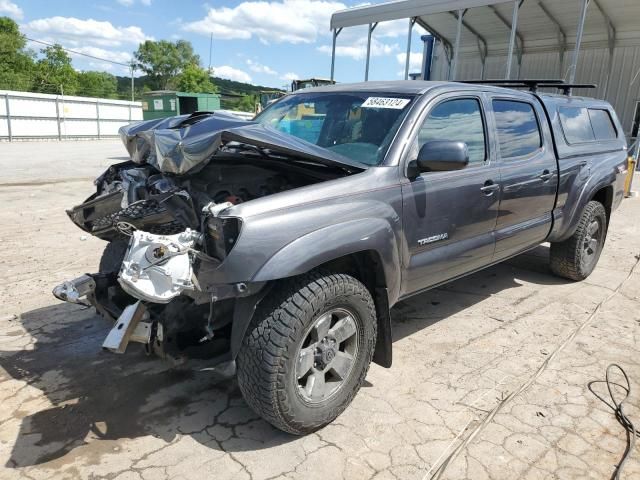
<point x="69" y="410"/>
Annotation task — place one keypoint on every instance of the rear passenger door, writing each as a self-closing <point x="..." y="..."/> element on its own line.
<point x="449" y="217"/>
<point x="528" y="172"/>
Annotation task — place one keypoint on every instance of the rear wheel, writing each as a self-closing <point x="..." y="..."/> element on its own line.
<point x="307" y="351"/>
<point x="576" y="257"/>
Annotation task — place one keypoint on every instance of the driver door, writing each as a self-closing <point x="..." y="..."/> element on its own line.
<point x="449" y="218"/>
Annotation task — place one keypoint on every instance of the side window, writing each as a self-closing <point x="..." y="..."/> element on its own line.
<point x="602" y="124"/>
<point x="458" y="120"/>
<point x="518" y="129"/>
<point x="576" y="124"/>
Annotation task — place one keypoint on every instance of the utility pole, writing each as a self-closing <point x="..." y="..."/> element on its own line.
<point x="133" y="66"/>
<point x="210" y="50"/>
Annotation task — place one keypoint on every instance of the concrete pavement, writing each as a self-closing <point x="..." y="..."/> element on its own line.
<point x="447" y="406"/>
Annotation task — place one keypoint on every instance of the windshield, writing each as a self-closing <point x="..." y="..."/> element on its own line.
<point x="359" y="126"/>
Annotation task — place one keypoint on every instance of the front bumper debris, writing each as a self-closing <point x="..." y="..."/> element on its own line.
<point x="77" y="290"/>
<point x="130" y="328"/>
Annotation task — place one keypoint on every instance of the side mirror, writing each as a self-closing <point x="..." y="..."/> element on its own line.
<point x="442" y="156"/>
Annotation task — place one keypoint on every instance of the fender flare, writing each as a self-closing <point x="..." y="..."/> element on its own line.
<point x="321" y="246"/>
<point x="332" y="242"/>
<point x="572" y="217"/>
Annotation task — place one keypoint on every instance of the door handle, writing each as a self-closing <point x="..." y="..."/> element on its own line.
<point x="489" y="187"/>
<point x="546" y="175"/>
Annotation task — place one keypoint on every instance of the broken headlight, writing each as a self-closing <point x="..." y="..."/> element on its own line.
<point x="221" y="235"/>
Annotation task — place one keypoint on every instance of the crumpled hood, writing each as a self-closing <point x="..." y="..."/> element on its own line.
<point x="182" y="144"/>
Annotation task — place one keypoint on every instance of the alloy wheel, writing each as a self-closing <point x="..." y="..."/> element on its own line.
<point x="327" y="355"/>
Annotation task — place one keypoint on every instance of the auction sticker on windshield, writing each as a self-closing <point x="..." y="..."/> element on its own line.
<point x="384" y="102"/>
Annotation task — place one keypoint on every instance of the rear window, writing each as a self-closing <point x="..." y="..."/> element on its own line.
<point x="602" y="124"/>
<point x="576" y="125"/>
<point x="582" y="125"/>
<point x="518" y="129"/>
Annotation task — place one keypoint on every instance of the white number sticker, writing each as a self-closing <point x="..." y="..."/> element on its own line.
<point x="383" y="102"/>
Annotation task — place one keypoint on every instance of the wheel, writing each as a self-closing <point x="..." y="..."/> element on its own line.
<point x="307" y="351"/>
<point x="113" y="255"/>
<point x="576" y="257"/>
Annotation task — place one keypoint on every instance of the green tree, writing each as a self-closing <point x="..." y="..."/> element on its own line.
<point x="16" y="63"/>
<point x="54" y="72"/>
<point x="97" y="84"/>
<point x="194" y="78"/>
<point x="247" y="103"/>
<point x="162" y="61"/>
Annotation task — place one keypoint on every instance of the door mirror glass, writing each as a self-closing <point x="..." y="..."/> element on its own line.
<point x="442" y="156"/>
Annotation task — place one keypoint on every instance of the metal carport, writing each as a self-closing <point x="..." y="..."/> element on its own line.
<point x="518" y="38"/>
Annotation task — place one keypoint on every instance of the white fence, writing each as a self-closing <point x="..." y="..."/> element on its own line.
<point x="25" y="115"/>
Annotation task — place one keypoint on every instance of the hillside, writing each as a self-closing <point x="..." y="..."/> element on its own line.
<point x="234" y="95"/>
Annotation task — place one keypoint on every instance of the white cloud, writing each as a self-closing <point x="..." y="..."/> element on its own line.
<point x="358" y="49"/>
<point x="116" y="56"/>
<point x="259" y="68"/>
<point x="129" y="3"/>
<point x="415" y="61"/>
<point x="11" y="9"/>
<point x="291" y="21"/>
<point x="230" y="73"/>
<point x="82" y="32"/>
<point x="290" y="76"/>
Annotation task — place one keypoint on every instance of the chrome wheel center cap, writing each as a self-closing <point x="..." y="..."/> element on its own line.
<point x="326" y="352"/>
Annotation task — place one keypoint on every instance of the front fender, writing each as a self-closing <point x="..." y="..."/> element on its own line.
<point x="335" y="241"/>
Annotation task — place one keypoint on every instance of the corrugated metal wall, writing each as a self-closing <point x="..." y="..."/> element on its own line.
<point x="592" y="68"/>
<point x="36" y="115"/>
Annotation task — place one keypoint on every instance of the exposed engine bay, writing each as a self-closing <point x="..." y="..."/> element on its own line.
<point x="166" y="217"/>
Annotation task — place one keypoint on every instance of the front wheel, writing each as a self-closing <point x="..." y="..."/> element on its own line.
<point x="307" y="351"/>
<point x="577" y="256"/>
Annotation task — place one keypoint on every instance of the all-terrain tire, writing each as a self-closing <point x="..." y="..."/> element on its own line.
<point x="113" y="255"/>
<point x="266" y="362"/>
<point x="569" y="259"/>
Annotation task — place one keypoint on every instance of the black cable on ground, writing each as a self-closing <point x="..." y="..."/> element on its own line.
<point x="617" y="407"/>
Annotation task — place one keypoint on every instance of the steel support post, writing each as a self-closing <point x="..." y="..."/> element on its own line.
<point x="412" y="22"/>
<point x="512" y="38"/>
<point x="6" y="106"/>
<point x="336" y="32"/>
<point x="58" y="118"/>
<point x="454" y="67"/>
<point x="98" y="116"/>
<point x="372" y="27"/>
<point x="576" y="51"/>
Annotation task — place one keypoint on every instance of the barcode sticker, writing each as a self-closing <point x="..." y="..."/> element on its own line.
<point x="384" y="102"/>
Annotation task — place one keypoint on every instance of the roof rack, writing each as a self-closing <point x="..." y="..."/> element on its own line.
<point x="533" y="85"/>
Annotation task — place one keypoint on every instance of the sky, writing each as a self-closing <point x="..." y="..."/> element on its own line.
<point x="264" y="42"/>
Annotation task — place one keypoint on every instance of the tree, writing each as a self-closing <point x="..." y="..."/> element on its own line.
<point x="247" y="103"/>
<point x="97" y="84"/>
<point x="194" y="78"/>
<point x="54" y="72"/>
<point x="162" y="61"/>
<point x="16" y="63"/>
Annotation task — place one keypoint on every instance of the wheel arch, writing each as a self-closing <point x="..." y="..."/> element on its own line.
<point x="605" y="196"/>
<point x="367" y="266"/>
<point x="567" y="223"/>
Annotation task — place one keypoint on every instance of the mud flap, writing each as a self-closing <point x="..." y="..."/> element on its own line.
<point x="382" y="354"/>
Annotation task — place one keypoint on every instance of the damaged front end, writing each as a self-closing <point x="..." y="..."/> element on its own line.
<point x="168" y="215"/>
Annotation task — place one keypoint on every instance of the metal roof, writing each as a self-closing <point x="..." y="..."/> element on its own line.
<point x="542" y="24"/>
<point x="409" y="87"/>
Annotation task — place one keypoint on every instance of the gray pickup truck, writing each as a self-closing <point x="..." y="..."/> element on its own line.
<point x="281" y="243"/>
